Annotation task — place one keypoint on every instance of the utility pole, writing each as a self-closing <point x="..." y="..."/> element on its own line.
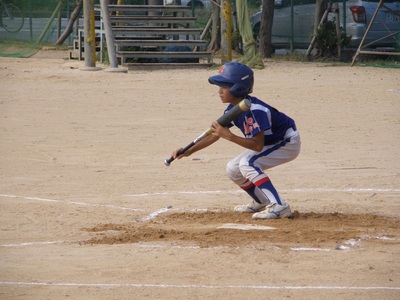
<point x="90" y="36"/>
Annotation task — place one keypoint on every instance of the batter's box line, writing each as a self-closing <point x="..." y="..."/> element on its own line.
<point x="201" y="286"/>
<point x="33" y="244"/>
<point x="306" y="190"/>
<point x="70" y="202"/>
<point x="154" y="214"/>
<point x="346" y="245"/>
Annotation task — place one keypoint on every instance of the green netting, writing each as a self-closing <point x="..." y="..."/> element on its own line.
<point x="28" y="24"/>
<point x="250" y="57"/>
<point x="18" y="49"/>
<point x="44" y="21"/>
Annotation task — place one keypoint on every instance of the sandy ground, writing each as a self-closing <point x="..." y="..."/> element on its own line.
<point x="89" y="211"/>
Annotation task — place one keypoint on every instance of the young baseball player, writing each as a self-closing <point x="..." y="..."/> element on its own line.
<point x="270" y="139"/>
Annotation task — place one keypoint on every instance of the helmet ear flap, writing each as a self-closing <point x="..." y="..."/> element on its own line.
<point x="239" y="90"/>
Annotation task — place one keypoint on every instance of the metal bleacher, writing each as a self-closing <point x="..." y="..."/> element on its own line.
<point x="148" y="35"/>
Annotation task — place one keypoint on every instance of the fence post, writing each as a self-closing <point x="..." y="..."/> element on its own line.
<point x="112" y="56"/>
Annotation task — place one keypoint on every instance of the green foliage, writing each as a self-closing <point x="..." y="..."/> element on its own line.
<point x="326" y="40"/>
<point x="32" y="5"/>
<point x="254" y="3"/>
<point x="236" y="40"/>
<point x="202" y="16"/>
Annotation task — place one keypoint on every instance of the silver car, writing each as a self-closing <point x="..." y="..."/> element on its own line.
<point x="358" y="15"/>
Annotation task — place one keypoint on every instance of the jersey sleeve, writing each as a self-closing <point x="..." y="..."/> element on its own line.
<point x="255" y="120"/>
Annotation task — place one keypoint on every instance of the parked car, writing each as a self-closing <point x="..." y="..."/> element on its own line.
<point x="197" y="3"/>
<point x="358" y="15"/>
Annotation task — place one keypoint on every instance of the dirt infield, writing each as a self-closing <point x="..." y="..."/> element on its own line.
<point x="219" y="228"/>
<point x="89" y="210"/>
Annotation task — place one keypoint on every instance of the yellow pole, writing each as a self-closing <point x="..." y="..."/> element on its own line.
<point x="226" y="32"/>
<point x="119" y="2"/>
<point x="90" y="35"/>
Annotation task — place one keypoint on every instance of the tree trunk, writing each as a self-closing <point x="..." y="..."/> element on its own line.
<point x="319" y="12"/>
<point x="314" y="48"/>
<point x="215" y="42"/>
<point x="68" y="29"/>
<point x="267" y="19"/>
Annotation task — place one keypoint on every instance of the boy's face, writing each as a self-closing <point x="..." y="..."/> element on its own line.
<point x="226" y="96"/>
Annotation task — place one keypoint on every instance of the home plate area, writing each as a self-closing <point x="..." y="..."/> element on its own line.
<point x="230" y="229"/>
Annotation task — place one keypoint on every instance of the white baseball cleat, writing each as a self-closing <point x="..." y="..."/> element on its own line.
<point x="251" y="207"/>
<point x="274" y="211"/>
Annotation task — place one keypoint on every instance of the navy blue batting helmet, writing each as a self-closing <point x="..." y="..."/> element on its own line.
<point x="236" y="75"/>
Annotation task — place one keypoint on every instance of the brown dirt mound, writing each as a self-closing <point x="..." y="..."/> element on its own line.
<point x="202" y="229"/>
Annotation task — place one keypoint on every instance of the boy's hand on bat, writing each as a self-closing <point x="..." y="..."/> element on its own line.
<point x="221" y="131"/>
<point x="177" y="155"/>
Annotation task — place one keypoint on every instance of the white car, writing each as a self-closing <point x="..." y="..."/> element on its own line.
<point x="358" y="15"/>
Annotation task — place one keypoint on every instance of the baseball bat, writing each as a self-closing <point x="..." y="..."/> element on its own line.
<point x="224" y="120"/>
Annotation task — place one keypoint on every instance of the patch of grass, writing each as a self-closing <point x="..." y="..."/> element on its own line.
<point x="380" y="62"/>
<point x="18" y="49"/>
<point x="290" y="57"/>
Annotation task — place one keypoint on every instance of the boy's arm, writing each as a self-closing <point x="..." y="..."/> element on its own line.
<point x="207" y="141"/>
<point x="256" y="143"/>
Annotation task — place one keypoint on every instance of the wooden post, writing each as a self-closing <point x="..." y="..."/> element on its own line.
<point x="338" y="33"/>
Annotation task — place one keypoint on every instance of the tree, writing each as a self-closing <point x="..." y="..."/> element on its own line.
<point x="267" y="18"/>
<point x="328" y="37"/>
<point x="68" y="29"/>
<point x="215" y="43"/>
<point x="320" y="7"/>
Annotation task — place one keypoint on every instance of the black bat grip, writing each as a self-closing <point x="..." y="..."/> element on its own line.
<point x="168" y="161"/>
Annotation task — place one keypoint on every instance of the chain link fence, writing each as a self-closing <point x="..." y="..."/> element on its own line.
<point x="41" y="21"/>
<point x="27" y="25"/>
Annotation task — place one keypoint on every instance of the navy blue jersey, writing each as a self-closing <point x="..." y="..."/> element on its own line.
<point x="263" y="117"/>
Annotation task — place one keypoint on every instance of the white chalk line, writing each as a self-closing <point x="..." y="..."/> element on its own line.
<point x="157" y="246"/>
<point x="32" y="244"/>
<point x="308" y="190"/>
<point x="200" y="286"/>
<point x="70" y="202"/>
<point x="156" y="213"/>
<point x="310" y="249"/>
<point x="349" y="243"/>
<point x="165" y="209"/>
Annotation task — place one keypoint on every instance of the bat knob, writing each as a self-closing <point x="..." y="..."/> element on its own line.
<point x="167" y="162"/>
